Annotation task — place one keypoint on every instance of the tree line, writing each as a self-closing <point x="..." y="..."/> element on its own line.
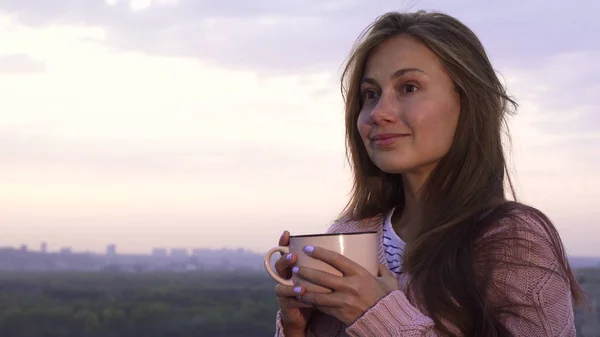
<point x="115" y="304"/>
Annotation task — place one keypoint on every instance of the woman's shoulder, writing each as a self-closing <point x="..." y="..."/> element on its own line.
<point x="515" y="231"/>
<point x="348" y="224"/>
<point x="519" y="219"/>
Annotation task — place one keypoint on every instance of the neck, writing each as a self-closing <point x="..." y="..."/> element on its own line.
<point x="406" y="222"/>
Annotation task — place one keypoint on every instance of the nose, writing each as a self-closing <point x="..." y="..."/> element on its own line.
<point x="385" y="111"/>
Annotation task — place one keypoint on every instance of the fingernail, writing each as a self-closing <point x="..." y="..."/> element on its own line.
<point x="289" y="257"/>
<point x="309" y="249"/>
<point x="298" y="290"/>
<point x="295" y="270"/>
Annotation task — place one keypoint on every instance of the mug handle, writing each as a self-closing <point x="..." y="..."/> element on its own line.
<point x="269" y="268"/>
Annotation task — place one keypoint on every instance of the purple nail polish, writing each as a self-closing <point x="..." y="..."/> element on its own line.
<point x="295" y="270"/>
<point x="309" y="249"/>
<point x="289" y="257"/>
<point x="298" y="290"/>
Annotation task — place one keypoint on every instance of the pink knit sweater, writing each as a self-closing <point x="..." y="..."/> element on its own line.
<point x="397" y="314"/>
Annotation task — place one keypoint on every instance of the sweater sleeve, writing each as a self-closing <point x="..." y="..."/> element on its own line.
<point x="393" y="315"/>
<point x="278" y="325"/>
<point x="532" y="294"/>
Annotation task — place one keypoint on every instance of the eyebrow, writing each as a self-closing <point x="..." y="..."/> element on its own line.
<point x="396" y="74"/>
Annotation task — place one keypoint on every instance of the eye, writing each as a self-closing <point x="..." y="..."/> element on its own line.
<point x="369" y="95"/>
<point x="409" y="88"/>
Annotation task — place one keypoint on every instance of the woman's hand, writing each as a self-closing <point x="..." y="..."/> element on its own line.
<point x="353" y="293"/>
<point x="295" y="314"/>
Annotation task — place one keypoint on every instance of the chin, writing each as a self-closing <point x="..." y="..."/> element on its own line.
<point x="394" y="167"/>
<point x="403" y="162"/>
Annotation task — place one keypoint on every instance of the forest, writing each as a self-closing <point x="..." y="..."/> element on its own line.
<point x="117" y="304"/>
<point x="165" y="304"/>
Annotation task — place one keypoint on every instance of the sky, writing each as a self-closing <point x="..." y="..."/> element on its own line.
<point x="185" y="123"/>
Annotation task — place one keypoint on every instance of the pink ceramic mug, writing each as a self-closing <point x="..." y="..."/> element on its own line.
<point x="359" y="247"/>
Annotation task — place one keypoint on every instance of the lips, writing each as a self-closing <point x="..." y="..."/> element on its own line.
<point x="386" y="139"/>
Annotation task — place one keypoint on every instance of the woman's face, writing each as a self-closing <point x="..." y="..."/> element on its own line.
<point x="410" y="107"/>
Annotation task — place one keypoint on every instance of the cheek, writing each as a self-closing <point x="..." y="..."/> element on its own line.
<point x="364" y="127"/>
<point x="434" y="126"/>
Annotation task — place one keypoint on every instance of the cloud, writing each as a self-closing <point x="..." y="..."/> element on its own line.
<point x="261" y="34"/>
<point x="155" y="107"/>
<point x="20" y="64"/>
<point x="300" y="36"/>
<point x="574" y="87"/>
<point x="560" y="98"/>
<point x="144" y="156"/>
<point x="556" y="69"/>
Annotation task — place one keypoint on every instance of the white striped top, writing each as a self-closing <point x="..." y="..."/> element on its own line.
<point x="393" y="245"/>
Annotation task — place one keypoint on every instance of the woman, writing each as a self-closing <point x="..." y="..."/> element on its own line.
<point x="424" y="116"/>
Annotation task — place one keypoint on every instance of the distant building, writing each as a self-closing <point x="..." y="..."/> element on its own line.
<point x="159" y="252"/>
<point x="44" y="247"/>
<point x="23" y="248"/>
<point x="179" y="252"/>
<point x="111" y="250"/>
<point x="199" y="251"/>
<point x="66" y="250"/>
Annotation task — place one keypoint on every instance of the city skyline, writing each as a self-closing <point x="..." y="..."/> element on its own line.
<point x="196" y="124"/>
<point x="111" y="250"/>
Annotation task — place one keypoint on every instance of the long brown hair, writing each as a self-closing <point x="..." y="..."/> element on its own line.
<point x="465" y="194"/>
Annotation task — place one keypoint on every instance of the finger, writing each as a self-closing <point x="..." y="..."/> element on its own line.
<point x="332" y="300"/>
<point x="283" y="265"/>
<point x="289" y="291"/>
<point x="284" y="240"/>
<point x="338" y="261"/>
<point x="289" y="296"/>
<point x="384" y="271"/>
<point x="321" y="278"/>
<point x="308" y="286"/>
<point x="293" y="303"/>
